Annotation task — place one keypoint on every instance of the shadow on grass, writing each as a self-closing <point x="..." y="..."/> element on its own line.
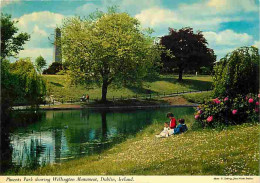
<point x="141" y="90"/>
<point x="190" y="83"/>
<point x="57" y="84"/>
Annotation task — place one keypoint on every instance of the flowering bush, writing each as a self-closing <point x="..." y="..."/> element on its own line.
<point x="227" y="111"/>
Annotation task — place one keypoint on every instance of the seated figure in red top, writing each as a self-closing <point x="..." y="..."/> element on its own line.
<point x="173" y="120"/>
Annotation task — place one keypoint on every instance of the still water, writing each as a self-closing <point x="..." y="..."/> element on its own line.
<point x="57" y="136"/>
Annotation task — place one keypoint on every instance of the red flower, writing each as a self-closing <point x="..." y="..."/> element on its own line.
<point x="197" y="116"/>
<point x="209" y="119"/>
<point x="217" y="101"/>
<point x="251" y="100"/>
<point x="200" y="111"/>
<point x="234" y="111"/>
<point x="225" y="99"/>
<point x="257" y="103"/>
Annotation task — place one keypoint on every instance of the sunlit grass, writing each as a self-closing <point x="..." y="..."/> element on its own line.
<point x="233" y="151"/>
<point x="60" y="88"/>
<point x="198" y="97"/>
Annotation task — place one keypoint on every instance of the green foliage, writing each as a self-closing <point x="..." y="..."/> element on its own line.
<point x="109" y="49"/>
<point x="237" y="73"/>
<point x="205" y="70"/>
<point x="11" y="41"/>
<point x="227" y="111"/>
<point x="54" y="68"/>
<point x="20" y="83"/>
<point x="40" y="63"/>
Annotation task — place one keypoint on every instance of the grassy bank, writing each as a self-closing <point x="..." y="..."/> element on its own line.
<point x="198" y="98"/>
<point x="233" y="151"/>
<point x="58" y="86"/>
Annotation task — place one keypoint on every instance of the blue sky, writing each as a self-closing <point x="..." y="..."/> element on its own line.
<point x="226" y="24"/>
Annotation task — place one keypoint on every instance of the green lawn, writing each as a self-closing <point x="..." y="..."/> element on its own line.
<point x="198" y="98"/>
<point x="59" y="87"/>
<point x="233" y="151"/>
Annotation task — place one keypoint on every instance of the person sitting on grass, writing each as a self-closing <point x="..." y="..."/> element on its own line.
<point x="165" y="132"/>
<point x="181" y="128"/>
<point x="172" y="120"/>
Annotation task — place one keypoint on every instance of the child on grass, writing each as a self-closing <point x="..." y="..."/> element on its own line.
<point x="181" y="128"/>
<point x="172" y="120"/>
<point x="165" y="132"/>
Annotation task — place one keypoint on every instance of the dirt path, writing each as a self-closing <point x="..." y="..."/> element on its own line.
<point x="178" y="100"/>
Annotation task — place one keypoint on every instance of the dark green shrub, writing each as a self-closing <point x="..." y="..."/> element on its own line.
<point x="205" y="70"/>
<point x="54" y="68"/>
<point x="237" y="73"/>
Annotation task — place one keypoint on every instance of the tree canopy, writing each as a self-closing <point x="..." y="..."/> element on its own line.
<point x="20" y="83"/>
<point x="189" y="49"/>
<point x="237" y="73"/>
<point x="108" y="48"/>
<point x="40" y="63"/>
<point x="11" y="41"/>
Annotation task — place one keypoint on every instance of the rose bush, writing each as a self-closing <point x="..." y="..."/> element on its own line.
<point x="227" y="111"/>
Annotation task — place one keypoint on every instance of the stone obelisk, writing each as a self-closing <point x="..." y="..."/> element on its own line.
<point x="57" y="56"/>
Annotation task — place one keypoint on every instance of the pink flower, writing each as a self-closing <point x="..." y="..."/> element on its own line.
<point x="200" y="111"/>
<point x="225" y="99"/>
<point x="257" y="103"/>
<point x="256" y="109"/>
<point x="197" y="116"/>
<point x="234" y="111"/>
<point x="246" y="97"/>
<point x="258" y="95"/>
<point x="209" y="119"/>
<point x="251" y="100"/>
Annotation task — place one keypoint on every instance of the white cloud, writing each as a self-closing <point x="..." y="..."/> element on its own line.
<point x="232" y="6"/>
<point x="7" y="2"/>
<point x="40" y="26"/>
<point x="226" y="41"/>
<point x="37" y="30"/>
<point x="203" y="15"/>
<point x="228" y="38"/>
<point x="156" y="16"/>
<point x="33" y="53"/>
<point x="42" y="19"/>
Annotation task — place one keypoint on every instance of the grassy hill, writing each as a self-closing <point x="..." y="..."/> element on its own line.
<point x="60" y="88"/>
<point x="233" y="151"/>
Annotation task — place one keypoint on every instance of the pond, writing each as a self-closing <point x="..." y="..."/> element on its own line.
<point x="57" y="136"/>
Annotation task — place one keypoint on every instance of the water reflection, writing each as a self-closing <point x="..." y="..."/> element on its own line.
<point x="61" y="135"/>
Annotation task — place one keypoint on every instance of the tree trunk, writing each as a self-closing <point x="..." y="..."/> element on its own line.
<point x="104" y="91"/>
<point x="180" y="74"/>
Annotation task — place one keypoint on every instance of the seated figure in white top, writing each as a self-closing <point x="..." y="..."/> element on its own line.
<point x="165" y="132"/>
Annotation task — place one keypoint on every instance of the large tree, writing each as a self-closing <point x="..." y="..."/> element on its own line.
<point x="189" y="49"/>
<point x="108" y="48"/>
<point x="11" y="41"/>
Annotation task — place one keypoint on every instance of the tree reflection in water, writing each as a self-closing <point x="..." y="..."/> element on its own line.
<point x="59" y="136"/>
